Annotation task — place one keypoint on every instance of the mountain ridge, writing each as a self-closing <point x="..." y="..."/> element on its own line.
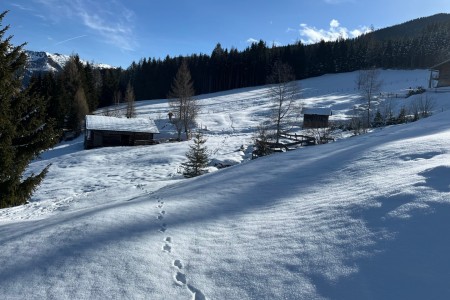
<point x="43" y="61"/>
<point x="413" y="28"/>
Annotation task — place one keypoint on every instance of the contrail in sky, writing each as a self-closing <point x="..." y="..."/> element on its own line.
<point x="74" y="38"/>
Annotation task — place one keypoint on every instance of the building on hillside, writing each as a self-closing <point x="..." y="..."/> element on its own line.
<point x="316" y="117"/>
<point x="440" y="75"/>
<point x="103" y="131"/>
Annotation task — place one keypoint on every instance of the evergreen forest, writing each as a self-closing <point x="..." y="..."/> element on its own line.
<point x="419" y="43"/>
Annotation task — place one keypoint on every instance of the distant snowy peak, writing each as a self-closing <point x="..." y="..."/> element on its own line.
<point x="40" y="61"/>
<point x="45" y="62"/>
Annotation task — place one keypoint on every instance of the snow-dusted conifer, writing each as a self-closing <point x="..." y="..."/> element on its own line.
<point x="24" y="131"/>
<point x="197" y="156"/>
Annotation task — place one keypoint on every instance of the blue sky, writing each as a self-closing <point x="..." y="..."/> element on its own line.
<point x="117" y="32"/>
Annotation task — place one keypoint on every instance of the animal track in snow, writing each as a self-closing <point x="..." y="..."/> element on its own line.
<point x="198" y="295"/>
<point x="167" y="248"/>
<point x="177" y="263"/>
<point x="163" y="227"/>
<point x="180" y="278"/>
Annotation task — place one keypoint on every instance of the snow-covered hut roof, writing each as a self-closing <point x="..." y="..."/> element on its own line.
<point x="435" y="67"/>
<point x="321" y="111"/>
<point x="94" y="122"/>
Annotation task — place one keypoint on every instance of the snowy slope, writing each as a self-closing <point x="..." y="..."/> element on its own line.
<point x="362" y="218"/>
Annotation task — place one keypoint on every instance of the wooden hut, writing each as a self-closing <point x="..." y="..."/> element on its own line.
<point x="440" y="75"/>
<point x="316" y="117"/>
<point x="103" y="131"/>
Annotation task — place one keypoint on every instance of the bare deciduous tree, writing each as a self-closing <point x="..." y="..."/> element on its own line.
<point x="283" y="92"/>
<point x="129" y="99"/>
<point x="369" y="86"/>
<point x="356" y="121"/>
<point x="426" y="105"/>
<point x="118" y="109"/>
<point x="182" y="102"/>
<point x="261" y="138"/>
<point x="322" y="135"/>
<point x="81" y="107"/>
<point x="387" y="111"/>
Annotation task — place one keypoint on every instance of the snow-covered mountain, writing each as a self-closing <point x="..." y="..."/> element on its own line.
<point x="365" y="217"/>
<point x="40" y="61"/>
<point x="45" y="62"/>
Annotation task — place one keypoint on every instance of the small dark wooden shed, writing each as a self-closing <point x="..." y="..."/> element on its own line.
<point x="103" y="131"/>
<point x="316" y="117"/>
<point x="440" y="75"/>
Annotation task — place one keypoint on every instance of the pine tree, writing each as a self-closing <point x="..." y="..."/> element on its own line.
<point x="378" y="119"/>
<point x="197" y="157"/>
<point x="71" y="96"/>
<point x="402" y="116"/>
<point x="24" y="133"/>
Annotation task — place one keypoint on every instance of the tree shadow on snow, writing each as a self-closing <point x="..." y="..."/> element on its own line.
<point x="413" y="265"/>
<point x="437" y="178"/>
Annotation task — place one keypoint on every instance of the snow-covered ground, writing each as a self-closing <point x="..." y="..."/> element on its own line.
<point x="362" y="218"/>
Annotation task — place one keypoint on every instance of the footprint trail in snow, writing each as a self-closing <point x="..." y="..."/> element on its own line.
<point x="179" y="277"/>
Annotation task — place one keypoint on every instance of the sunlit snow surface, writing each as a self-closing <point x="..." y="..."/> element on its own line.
<point x="365" y="217"/>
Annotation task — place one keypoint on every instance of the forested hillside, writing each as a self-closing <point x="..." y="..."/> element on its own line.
<point x="420" y="43"/>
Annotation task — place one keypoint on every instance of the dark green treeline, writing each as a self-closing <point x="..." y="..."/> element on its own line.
<point x="419" y="43"/>
<point x="399" y="47"/>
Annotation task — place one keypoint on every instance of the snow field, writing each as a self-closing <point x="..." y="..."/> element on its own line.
<point x="362" y="218"/>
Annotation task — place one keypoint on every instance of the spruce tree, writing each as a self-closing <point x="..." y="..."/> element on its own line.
<point x="378" y="120"/>
<point x="24" y="132"/>
<point x="197" y="156"/>
<point x="402" y="116"/>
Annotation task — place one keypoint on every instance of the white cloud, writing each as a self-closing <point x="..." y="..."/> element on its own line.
<point x="334" y="23"/>
<point x="117" y="30"/>
<point x="70" y="39"/>
<point x="252" y="41"/>
<point x="118" y="34"/>
<point x="362" y="30"/>
<point x="312" y="34"/>
<point x="21" y="7"/>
